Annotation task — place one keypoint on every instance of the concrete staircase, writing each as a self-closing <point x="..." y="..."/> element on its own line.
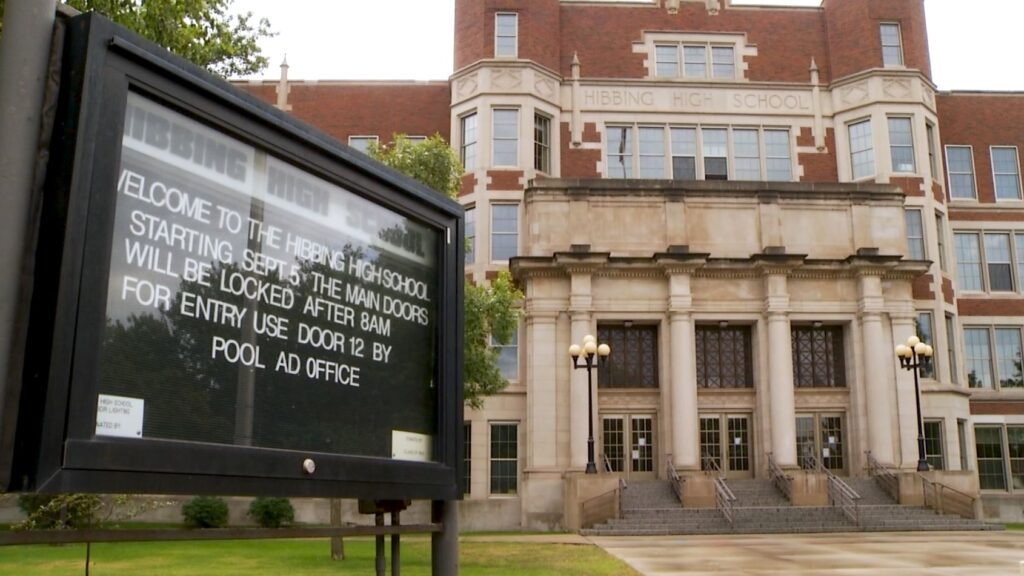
<point x="651" y="509"/>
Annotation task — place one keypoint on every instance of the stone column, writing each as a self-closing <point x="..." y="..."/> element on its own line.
<point x="685" y="419"/>
<point x="580" y="302"/>
<point x="878" y="364"/>
<point x="780" y="374"/>
<point x="541" y="394"/>
<point x="906" y="403"/>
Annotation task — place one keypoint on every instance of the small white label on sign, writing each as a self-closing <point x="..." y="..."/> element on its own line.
<point x="636" y="454"/>
<point x="824" y="452"/>
<point x="831" y="439"/>
<point x="411" y="446"/>
<point x="736" y="440"/>
<point x="119" y="416"/>
<point x="643" y="441"/>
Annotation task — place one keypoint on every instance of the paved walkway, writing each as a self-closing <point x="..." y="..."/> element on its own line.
<point x="874" y="554"/>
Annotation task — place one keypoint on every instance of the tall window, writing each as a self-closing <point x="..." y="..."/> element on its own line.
<point x="929" y="132"/>
<point x="361" y="143"/>
<point x="746" y="154"/>
<point x="652" y="152"/>
<point x="504" y="231"/>
<point x="724" y="358"/>
<point x="1015" y="450"/>
<point x="505" y="141"/>
<point x="926" y="332"/>
<point x="723" y="63"/>
<point x="470" y="235"/>
<point x="716" y="154"/>
<point x="988" y="441"/>
<point x="961" y="434"/>
<point x="818" y="357"/>
<point x="915" y="234"/>
<point x="997" y="258"/>
<point x="960" y="167"/>
<point x="1006" y="172"/>
<point x="1005" y="364"/>
<point x="467" y="457"/>
<point x="666" y="60"/>
<point x="776" y="151"/>
<point x="940" y="239"/>
<point x="633" y="362"/>
<point x="892" y="50"/>
<point x="933" y="444"/>
<point x="506" y="30"/>
<point x="684" y="153"/>
<point x="901" y="145"/>
<point x="619" y="151"/>
<point x="968" y="261"/>
<point x="862" y="155"/>
<point x="542" y="143"/>
<point x="504" y="458"/>
<point x="695" y="61"/>
<point x="954" y="374"/>
<point x="467" y="152"/>
<point x="508" y="356"/>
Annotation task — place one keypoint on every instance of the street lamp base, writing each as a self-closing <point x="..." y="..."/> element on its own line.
<point x="922" y="466"/>
<point x="591" y="468"/>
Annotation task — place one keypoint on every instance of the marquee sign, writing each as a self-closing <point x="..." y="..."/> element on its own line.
<point x="236" y="304"/>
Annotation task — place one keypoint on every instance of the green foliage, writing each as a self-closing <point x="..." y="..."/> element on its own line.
<point x="489" y="309"/>
<point x="58" y="512"/>
<point x="205" y="512"/>
<point x="431" y="161"/>
<point x="272" y="512"/>
<point x="202" y="31"/>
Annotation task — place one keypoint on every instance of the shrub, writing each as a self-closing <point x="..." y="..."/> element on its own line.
<point x="61" y="511"/>
<point x="205" y="512"/>
<point x="272" y="512"/>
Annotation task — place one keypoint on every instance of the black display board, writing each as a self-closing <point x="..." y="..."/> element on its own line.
<point x="230" y="302"/>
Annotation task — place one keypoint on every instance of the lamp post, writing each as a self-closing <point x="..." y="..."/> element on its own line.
<point x="913" y="355"/>
<point x="591" y="353"/>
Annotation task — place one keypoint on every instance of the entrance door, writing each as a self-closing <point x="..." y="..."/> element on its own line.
<point x="725" y="442"/>
<point x="628" y="441"/>
<point x="821" y="437"/>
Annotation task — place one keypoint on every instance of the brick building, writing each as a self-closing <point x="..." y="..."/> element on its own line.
<point x="753" y="206"/>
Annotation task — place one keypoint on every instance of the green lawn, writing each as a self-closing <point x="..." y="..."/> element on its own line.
<point x="303" y="557"/>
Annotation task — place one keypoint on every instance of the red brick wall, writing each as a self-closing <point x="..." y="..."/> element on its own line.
<point x="468" y="184"/>
<point x="996" y="408"/>
<point x="505" y="179"/>
<point x="580" y="163"/>
<point x="603" y="36"/>
<point x="910" y="186"/>
<point x="853" y="34"/>
<point x="990" y="307"/>
<point x="367" y="109"/>
<point x="982" y="120"/>
<point x="538" y="37"/>
<point x="947" y="291"/>
<point x="818" y="167"/>
<point x="922" y="287"/>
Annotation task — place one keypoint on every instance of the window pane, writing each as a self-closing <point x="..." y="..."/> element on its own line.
<point x="960" y="166"/>
<point x="933" y="446"/>
<point x="930" y="135"/>
<point x="1006" y="172"/>
<point x="695" y="61"/>
<point x="684" y="153"/>
<point x="469" y="142"/>
<point x="722" y="62"/>
<point x="776" y="146"/>
<point x="940" y="239"/>
<point x="997" y="256"/>
<point x="989" y="446"/>
<point x="467" y="457"/>
<point x="684" y="168"/>
<point x="818" y="357"/>
<point x="1015" y="444"/>
<point x="892" y="55"/>
<point x="541" y="143"/>
<point x="724" y="358"/>
<point x="715" y="142"/>
<point x="633" y="362"/>
<point x="968" y="261"/>
<point x="666" y="61"/>
<point x="746" y="152"/>
<point x="901" y="145"/>
<point x="1019" y="241"/>
<point x="470" y="235"/>
<point x="977" y="358"/>
<point x="508" y="357"/>
<point x="504" y="458"/>
<point x="652" y="152"/>
<point x="504" y="231"/>
<point x="862" y="154"/>
<point x="619" y="150"/>
<point x="915" y="235"/>
<point x="506" y="137"/>
<point x="927" y="335"/>
<point x="505" y="34"/>
<point x="361" y="143"/>
<point x="1008" y="357"/>
<point x="951" y="349"/>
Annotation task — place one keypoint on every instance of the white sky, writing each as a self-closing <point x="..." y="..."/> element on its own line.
<point x="974" y="43"/>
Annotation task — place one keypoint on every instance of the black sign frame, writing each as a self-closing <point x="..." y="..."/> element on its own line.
<point x="48" y="443"/>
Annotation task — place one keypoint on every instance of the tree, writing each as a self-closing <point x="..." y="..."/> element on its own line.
<point x="489" y="309"/>
<point x="202" y="31"/>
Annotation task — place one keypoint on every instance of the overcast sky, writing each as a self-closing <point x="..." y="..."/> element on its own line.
<point x="974" y="43"/>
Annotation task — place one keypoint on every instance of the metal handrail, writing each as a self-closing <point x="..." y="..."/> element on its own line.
<point x="783" y="482"/>
<point x="885" y="478"/>
<point x="607" y="464"/>
<point x="724" y="500"/>
<point x="710" y="466"/>
<point x="674" y="480"/>
<point x="842" y="496"/>
<point x="943" y="499"/>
